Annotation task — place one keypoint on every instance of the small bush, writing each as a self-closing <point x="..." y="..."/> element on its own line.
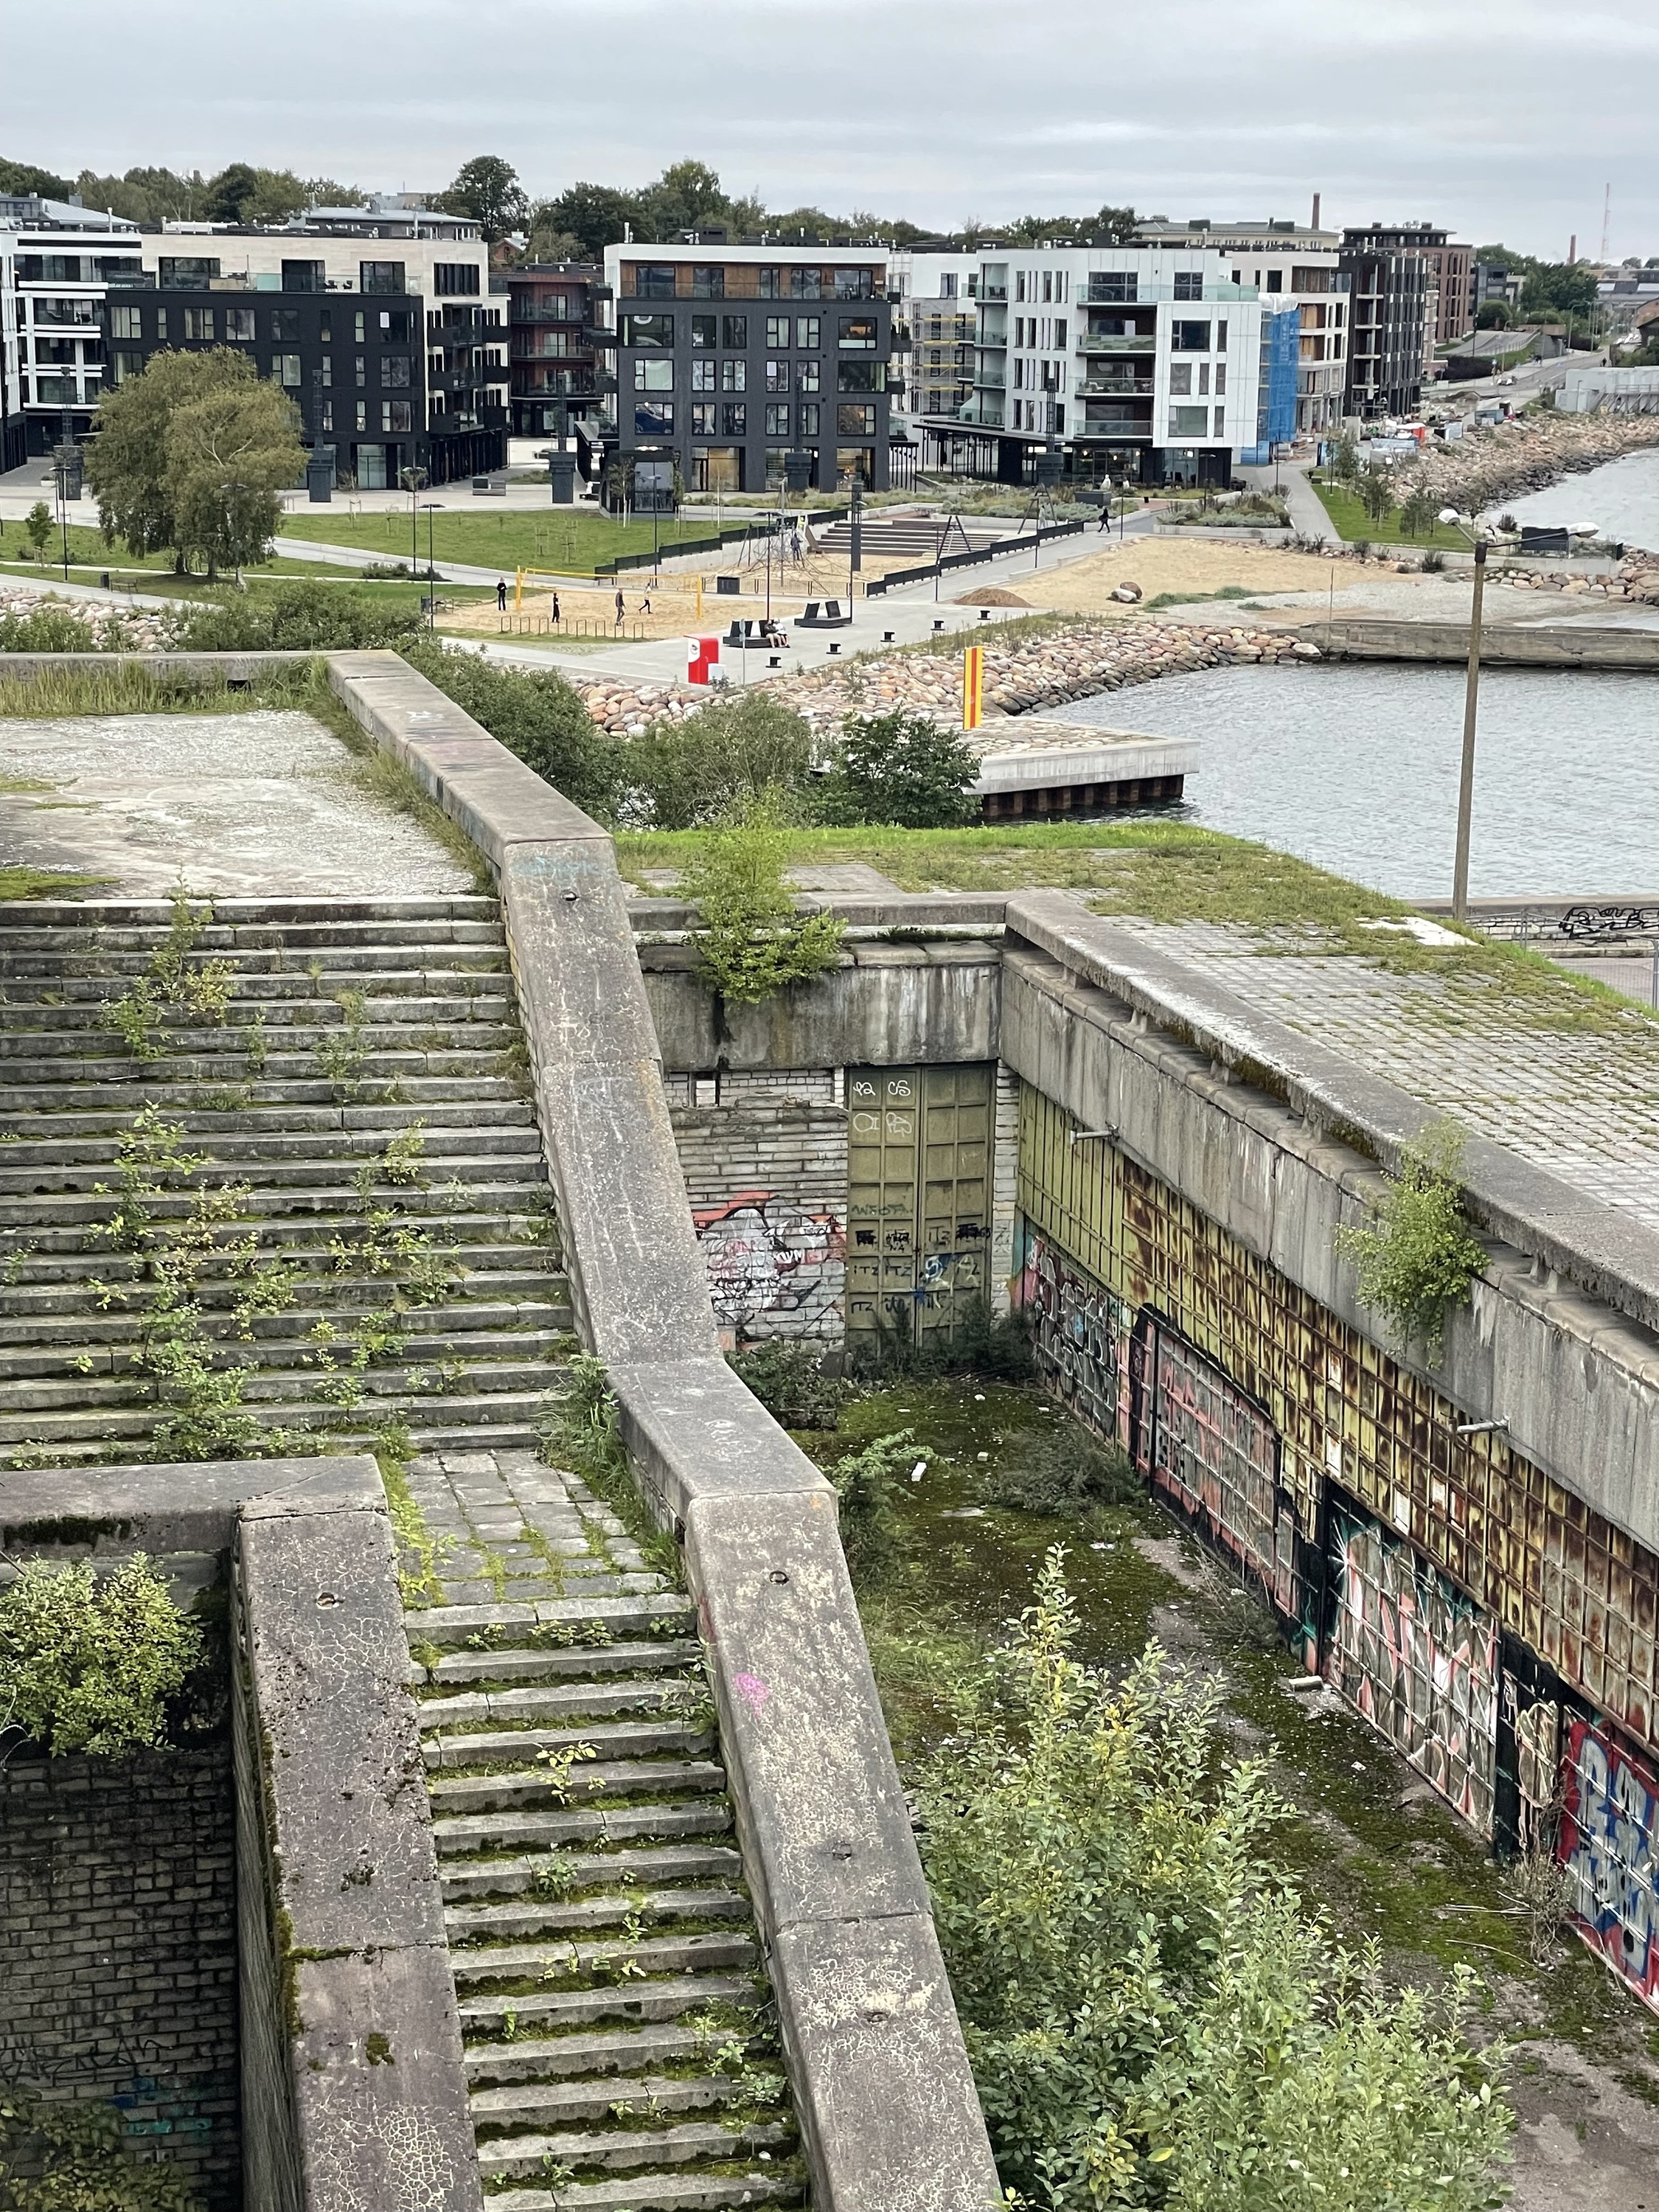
<point x="288" y="617"/>
<point x="979" y="1344"/>
<point x="1062" y="1474"/>
<point x="65" y="2154"/>
<point x="89" y="1663"/>
<point x="752" y="942"/>
<point x="46" y="629"/>
<point x="1416" y="1259"/>
<point x="901" y="768"/>
<point x="868" y="1482"/>
<point x="1434" y="562"/>
<point x="541" y="718"/>
<point x="788" y="1379"/>
<point x="733" y="754"/>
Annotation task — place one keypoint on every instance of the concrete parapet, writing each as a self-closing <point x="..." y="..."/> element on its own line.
<point x="890" y="2118"/>
<point x="1503" y="645"/>
<point x="354" y="2091"/>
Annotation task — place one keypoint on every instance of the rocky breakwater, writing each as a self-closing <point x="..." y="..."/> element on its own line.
<point x="1530" y="453"/>
<point x="1024" y="674"/>
<point x="624" y="708"/>
<point x="106" y="628"/>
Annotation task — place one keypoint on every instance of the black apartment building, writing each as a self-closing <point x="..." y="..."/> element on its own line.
<point x="1389" y="272"/>
<point x="384" y="379"/>
<point x="730" y="357"/>
<point x="557" y="349"/>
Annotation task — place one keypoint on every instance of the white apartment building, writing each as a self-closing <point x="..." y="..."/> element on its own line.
<point x="56" y="260"/>
<point x="1145" y="362"/>
<point x="936" y="315"/>
<point x="1289" y="264"/>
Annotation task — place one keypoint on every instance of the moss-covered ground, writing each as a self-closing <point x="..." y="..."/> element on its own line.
<point x="1367" y="1838"/>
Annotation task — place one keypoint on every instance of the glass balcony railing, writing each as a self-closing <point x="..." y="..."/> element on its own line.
<point x="1107" y="342"/>
<point x="1116" y="387"/>
<point x="994" y="380"/>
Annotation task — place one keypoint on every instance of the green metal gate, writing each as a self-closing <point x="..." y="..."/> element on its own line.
<point x="919" y="1143"/>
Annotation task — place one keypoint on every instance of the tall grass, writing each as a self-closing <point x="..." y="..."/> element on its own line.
<point x="129" y="687"/>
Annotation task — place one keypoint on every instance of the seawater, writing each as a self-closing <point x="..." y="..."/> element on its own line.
<point x="1356" y="767"/>
<point x="1621" y="498"/>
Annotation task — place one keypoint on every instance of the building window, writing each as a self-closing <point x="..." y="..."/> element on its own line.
<point x="806" y="332"/>
<point x="654" y="375"/>
<point x="807" y="376"/>
<point x="361" y="364"/>
<point x="859" y="375"/>
<point x="388" y="276"/>
<point x="777" y="331"/>
<point x="707" y="283"/>
<point x="777" y="419"/>
<point x="239" y="324"/>
<point x="1203" y="379"/>
<point x="735" y="419"/>
<point x="804" y="284"/>
<point x="1019" y="284"/>
<point x="702" y="418"/>
<point x="777" y="376"/>
<point x="947" y="287"/>
<point x="1220" y="379"/>
<point x="855" y="283"/>
<point x="284" y="324"/>
<point x="1221" y="337"/>
<point x="394" y="372"/>
<point x="125" y="323"/>
<point x="653" y="418"/>
<point x="362" y="414"/>
<point x="1189" y="337"/>
<point x="647" y="330"/>
<point x="1059" y="333"/>
<point x="189" y="273"/>
<point x="808" y="421"/>
<point x="654" y="280"/>
<point x="328" y="369"/>
<point x="394" y="415"/>
<point x="1275" y="280"/>
<point x="703" y="376"/>
<point x="1181" y="378"/>
<point x="1189" y="284"/>
<point x="734" y="374"/>
<point x="1114" y="287"/>
<point x="705" y="332"/>
<point x="124" y="365"/>
<point x="395" y="324"/>
<point x="199" y="323"/>
<point x="305" y="275"/>
<point x="451" y="280"/>
<point x="285" y="370"/>
<point x="1220" y="421"/>
<point x="1190" y="421"/>
<point x="360" y="326"/>
<point x="858" y="334"/>
<point x="161" y="323"/>
<point x="769" y="284"/>
<point x="734" y="333"/>
<point x="327" y="423"/>
<point x="856" y="422"/>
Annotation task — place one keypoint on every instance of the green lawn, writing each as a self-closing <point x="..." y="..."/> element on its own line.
<point x="1351" y="521"/>
<point x="568" y="543"/>
<point x="91" y="558"/>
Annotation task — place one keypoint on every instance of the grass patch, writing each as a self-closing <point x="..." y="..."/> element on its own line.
<point x="566" y="544"/>
<point x="384" y="779"/>
<point x="19" y="883"/>
<point x="1350" y="521"/>
<point x="132" y="687"/>
<point x="1196" y="599"/>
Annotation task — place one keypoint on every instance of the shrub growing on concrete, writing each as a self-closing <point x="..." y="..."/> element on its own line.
<point x="1062" y="1472"/>
<point x="788" y="1378"/>
<point x="868" y="1482"/>
<point x="1415" y="1259"/>
<point x="753" y="944"/>
<point x="88" y="1662"/>
<point x="734" y="754"/>
<point x="1155" y="2018"/>
<point x="903" y="768"/>
<point x="58" y="2155"/>
<point x="288" y="617"/>
<point x="537" y="716"/>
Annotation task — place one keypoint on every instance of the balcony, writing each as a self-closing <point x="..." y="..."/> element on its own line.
<point x="993" y="292"/>
<point x="1118" y="387"/>
<point x="1141" y="342"/>
<point x="992" y="379"/>
<point x="555" y="384"/>
<point x="547" y="345"/>
<point x="546" y="311"/>
<point x="597" y="338"/>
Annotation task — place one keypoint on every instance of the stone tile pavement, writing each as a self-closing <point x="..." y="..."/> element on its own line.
<point x="511" y="1530"/>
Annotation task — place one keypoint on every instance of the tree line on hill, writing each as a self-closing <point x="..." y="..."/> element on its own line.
<point x="238" y="193"/>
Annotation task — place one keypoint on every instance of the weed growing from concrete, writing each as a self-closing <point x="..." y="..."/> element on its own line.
<point x="1416" y="1259"/>
<point x="88" y="1662"/>
<point x="170" y="983"/>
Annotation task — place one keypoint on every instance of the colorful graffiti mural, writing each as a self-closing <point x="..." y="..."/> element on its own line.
<point x="772" y="1261"/>
<point x="1079" y="1335"/>
<point x="918" y="1196"/>
<point x="1419" y="1660"/>
<point x="1610" y="1848"/>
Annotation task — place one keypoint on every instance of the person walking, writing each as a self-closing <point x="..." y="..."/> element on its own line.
<point x="555" y="610"/>
<point x="501" y="595"/>
<point x="645" y="604"/>
<point x="621" y="609"/>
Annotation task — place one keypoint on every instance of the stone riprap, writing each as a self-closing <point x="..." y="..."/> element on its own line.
<point x="122" y="629"/>
<point x="1528" y="452"/>
<point x="240" y="805"/>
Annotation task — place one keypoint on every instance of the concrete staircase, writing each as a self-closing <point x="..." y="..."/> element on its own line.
<point x="358" y="1068"/>
<point x="619" y="2051"/>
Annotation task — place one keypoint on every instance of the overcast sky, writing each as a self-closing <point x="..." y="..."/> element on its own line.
<point x="1499" y="121"/>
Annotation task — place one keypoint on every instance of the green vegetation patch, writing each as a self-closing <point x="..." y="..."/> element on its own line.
<point x="1351" y="521"/>
<point x="23" y="883"/>
<point x="572" y="543"/>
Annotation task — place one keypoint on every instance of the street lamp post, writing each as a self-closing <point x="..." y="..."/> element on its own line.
<point x="1471" y="702"/>
<point x="414" y="481"/>
<point x="431" y="508"/>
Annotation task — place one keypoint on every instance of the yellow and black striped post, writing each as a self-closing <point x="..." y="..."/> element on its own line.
<point x="973" y="686"/>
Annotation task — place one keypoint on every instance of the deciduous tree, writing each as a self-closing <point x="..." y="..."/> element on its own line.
<point x="487" y="188"/>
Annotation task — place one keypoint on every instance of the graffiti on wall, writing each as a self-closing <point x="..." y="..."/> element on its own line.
<point x="1610" y="1848"/>
<point x="1079" y="1335"/>
<point x="772" y="1264"/>
<point x="1419" y="1660"/>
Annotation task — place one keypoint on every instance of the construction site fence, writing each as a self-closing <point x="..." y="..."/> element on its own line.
<point x="738" y="534"/>
<point x="878" y="584"/>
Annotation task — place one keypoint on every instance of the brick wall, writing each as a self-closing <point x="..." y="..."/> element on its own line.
<point x="766" y="1174"/>
<point x="118" y="1945"/>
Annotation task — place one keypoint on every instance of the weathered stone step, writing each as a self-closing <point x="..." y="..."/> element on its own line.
<point x="437" y="1421"/>
<point x="600" y="1777"/>
<point x="386" y="1075"/>
<point x="567" y="1702"/>
<point x="628" y="2051"/>
<point x="274" y="1385"/>
<point x="663" y="1655"/>
<point x="522" y="2105"/>
<point x="281" y="1181"/>
<point x="485" y="1352"/>
<point x="506" y="1203"/>
<point x="77" y="915"/>
<point x="126" y="1085"/>
<point x="668" y="1999"/>
<point x="452" y="1625"/>
<point x="480" y="1924"/>
<point x="619" y="2149"/>
<point x="265" y="980"/>
<point x="584" y="1871"/>
<point x="69" y="1122"/>
<point x="54" y="1333"/>
<point x="659" y="2192"/>
<point x="71" y="1157"/>
<point x="65" y="1258"/>
<point x="459" y="1835"/>
<point x="448" y="1754"/>
<point x="103" y="963"/>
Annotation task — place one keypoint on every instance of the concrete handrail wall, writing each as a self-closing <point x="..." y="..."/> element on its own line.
<point x="353" y="2086"/>
<point x="889" y="2116"/>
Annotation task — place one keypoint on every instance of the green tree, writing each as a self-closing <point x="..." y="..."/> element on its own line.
<point x="685" y="197"/>
<point x="595" y="216"/>
<point x="1374" y="491"/>
<point x="1345" y="460"/>
<point x="904" y="768"/>
<point x="37" y="528"/>
<point x="1559" y="289"/>
<point x="23" y="178"/>
<point x="1416" y="1258"/>
<point x="752" y="942"/>
<point x="229" y="192"/>
<point x="126" y="462"/>
<point x="88" y="1662"/>
<point x="487" y="188"/>
<point x="1155" y="2018"/>
<point x="230" y="451"/>
<point x="1418" y="510"/>
<point x="1494" y="315"/>
<point x="1113" y="226"/>
<point x="687" y="775"/>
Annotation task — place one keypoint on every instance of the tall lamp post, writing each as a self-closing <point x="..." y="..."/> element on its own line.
<point x="1471" y="702"/>
<point x="430" y="507"/>
<point x="414" y="481"/>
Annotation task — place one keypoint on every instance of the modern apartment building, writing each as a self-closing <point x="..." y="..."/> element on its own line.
<point x="731" y="357"/>
<point x="56" y="261"/>
<point x="1390" y="303"/>
<point x="557" y="347"/>
<point x="937" y="316"/>
<point x="1142" y="361"/>
<point x="406" y="284"/>
<point x="1288" y="263"/>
